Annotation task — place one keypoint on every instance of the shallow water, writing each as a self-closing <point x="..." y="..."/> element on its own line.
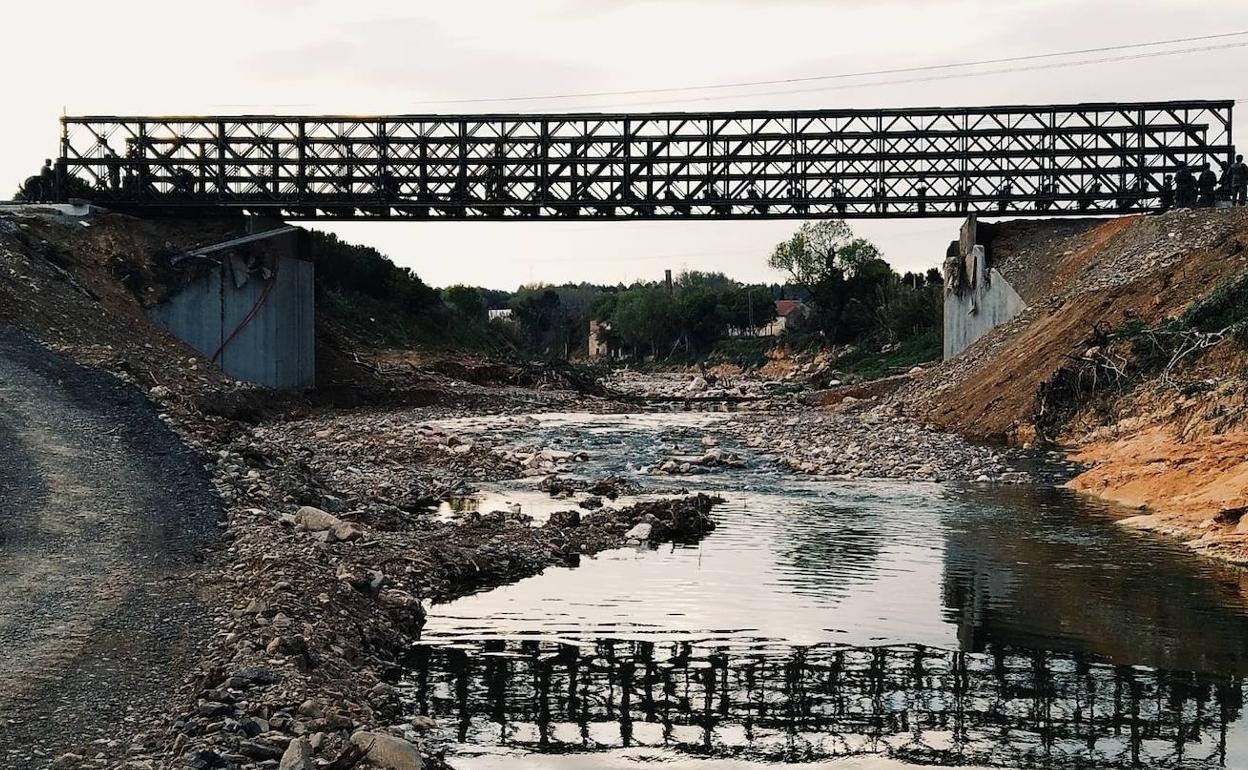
<point x="837" y="621"/>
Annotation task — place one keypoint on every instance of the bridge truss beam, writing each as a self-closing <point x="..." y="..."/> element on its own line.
<point x="1022" y="160"/>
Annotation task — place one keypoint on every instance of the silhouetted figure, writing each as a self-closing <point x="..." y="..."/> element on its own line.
<point x="388" y="186"/>
<point x="797" y="191"/>
<point x="1005" y="193"/>
<point x="759" y="206"/>
<point x="1129" y="196"/>
<point x="184" y="183"/>
<point x="113" y="169"/>
<point x="47" y="182"/>
<point x="838" y="198"/>
<point x="1184" y="188"/>
<point x="1239" y="182"/>
<point x="713" y="194"/>
<point x="1089" y="198"/>
<point x="1165" y="197"/>
<point x="1207" y="186"/>
<point x="881" y="198"/>
<point x="1048" y="196"/>
<point x="673" y="201"/>
<point x="921" y="191"/>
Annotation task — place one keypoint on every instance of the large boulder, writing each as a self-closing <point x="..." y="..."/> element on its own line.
<point x="388" y="751"/>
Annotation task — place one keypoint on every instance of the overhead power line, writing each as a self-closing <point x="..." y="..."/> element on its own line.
<point x="850" y="75"/>
<point x="925" y="79"/>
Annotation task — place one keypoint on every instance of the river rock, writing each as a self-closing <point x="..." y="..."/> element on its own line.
<point x="388" y="751"/>
<point x="565" y="519"/>
<point x="315" y="520"/>
<point x="298" y="756"/>
<point x="641" y="532"/>
<point x="345" y="531"/>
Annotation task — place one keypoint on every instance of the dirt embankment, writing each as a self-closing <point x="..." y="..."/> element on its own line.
<point x="1131" y="355"/>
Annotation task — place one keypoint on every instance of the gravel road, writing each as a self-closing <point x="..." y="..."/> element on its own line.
<point x="104" y="518"/>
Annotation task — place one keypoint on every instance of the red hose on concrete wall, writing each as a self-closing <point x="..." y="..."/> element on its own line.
<point x="252" y="313"/>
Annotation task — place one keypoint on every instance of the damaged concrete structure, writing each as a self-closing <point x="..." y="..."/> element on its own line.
<point x="248" y="304"/>
<point x="977" y="296"/>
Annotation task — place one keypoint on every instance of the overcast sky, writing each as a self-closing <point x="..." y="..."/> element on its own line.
<point x="398" y="56"/>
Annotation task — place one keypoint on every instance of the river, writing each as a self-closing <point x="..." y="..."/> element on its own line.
<point x="838" y="624"/>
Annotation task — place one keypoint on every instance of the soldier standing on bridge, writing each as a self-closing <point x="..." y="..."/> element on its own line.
<point x="1166" y="196"/>
<point x="1207" y="184"/>
<point x="759" y="206"/>
<point x="1239" y="182"/>
<point x="1005" y="194"/>
<point x="1048" y="195"/>
<point x="1184" y="188"/>
<point x="838" y="197"/>
<point x="112" y="168"/>
<point x="1089" y="198"/>
<point x="797" y="191"/>
<point x="47" y="182"/>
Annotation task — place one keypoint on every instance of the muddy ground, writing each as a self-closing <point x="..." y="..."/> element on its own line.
<point x="105" y="521"/>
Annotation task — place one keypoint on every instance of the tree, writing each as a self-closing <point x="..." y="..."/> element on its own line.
<point x="820" y="249"/>
<point x="536" y="310"/>
<point x="858" y="298"/>
<point x="645" y="318"/>
<point x="749" y="307"/>
<point x="466" y="300"/>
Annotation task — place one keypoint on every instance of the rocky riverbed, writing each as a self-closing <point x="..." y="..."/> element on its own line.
<point x="335" y="551"/>
<point x="869" y="441"/>
<point x="335" y="546"/>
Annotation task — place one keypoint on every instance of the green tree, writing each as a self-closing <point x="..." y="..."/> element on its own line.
<point x="749" y="307"/>
<point x="843" y="274"/>
<point x="820" y="250"/>
<point x="645" y="319"/>
<point x="466" y="300"/>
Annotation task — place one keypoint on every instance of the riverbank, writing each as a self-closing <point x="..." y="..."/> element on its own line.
<point x="1130" y="358"/>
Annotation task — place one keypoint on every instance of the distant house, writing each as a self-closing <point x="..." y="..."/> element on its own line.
<point x="789" y="313"/>
<point x="501" y="315"/>
<point x="600" y="344"/>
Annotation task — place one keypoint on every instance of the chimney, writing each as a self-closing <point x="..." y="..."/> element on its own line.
<point x="667" y="279"/>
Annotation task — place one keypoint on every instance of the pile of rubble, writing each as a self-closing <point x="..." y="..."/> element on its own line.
<point x="869" y="443"/>
<point x="334" y="553"/>
<point x="708" y="387"/>
<point x="715" y="456"/>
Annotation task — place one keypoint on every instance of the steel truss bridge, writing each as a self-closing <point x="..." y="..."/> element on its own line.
<point x="931" y="162"/>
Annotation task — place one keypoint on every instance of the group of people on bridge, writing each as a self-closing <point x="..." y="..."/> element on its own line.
<point x="130" y="178"/>
<point x="1187" y="190"/>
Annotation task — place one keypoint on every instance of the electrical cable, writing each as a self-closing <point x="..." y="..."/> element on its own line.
<point x="849" y="75"/>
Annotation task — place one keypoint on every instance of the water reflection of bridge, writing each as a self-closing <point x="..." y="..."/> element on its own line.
<point x="1000" y="708"/>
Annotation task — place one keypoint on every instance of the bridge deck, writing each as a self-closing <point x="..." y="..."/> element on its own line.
<point x="1023" y="160"/>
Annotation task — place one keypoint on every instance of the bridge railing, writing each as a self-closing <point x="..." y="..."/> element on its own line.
<point x="814" y="163"/>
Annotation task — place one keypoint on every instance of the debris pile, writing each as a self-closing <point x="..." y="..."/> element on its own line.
<point x="871" y="443"/>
